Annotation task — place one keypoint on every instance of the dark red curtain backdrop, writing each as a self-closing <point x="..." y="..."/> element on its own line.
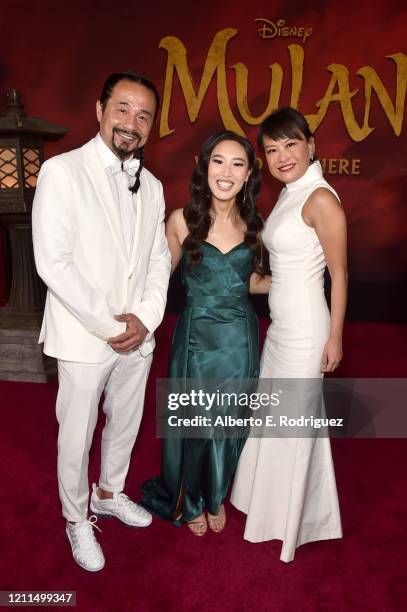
<point x="58" y="54"/>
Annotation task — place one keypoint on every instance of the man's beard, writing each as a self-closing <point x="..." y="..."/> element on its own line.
<point x="123" y="151"/>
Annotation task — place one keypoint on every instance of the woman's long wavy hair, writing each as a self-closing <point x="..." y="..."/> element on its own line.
<point x="197" y="211"/>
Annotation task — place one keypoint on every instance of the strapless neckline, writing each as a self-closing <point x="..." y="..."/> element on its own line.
<point x="224" y="252"/>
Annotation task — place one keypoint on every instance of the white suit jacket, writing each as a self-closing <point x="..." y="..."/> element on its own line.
<point x="81" y="256"/>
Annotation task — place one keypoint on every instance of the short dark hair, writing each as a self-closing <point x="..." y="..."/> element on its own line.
<point x="116" y="77"/>
<point x="284" y="123"/>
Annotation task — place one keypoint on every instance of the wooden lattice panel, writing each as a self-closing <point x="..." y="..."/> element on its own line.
<point x="31" y="161"/>
<point x="8" y="169"/>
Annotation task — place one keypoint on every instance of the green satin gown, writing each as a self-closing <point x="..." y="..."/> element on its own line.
<point x="216" y="337"/>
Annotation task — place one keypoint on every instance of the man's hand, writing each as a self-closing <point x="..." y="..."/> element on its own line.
<point x="133" y="336"/>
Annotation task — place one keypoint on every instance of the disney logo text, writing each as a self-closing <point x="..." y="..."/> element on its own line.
<point x="269" y="29"/>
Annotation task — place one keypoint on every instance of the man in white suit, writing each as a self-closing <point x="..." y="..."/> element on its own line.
<point x="100" y="247"/>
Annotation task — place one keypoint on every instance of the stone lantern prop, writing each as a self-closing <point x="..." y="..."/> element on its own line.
<point x="21" y="155"/>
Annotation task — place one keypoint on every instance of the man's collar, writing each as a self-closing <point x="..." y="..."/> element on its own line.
<point x="111" y="161"/>
<point x="106" y="155"/>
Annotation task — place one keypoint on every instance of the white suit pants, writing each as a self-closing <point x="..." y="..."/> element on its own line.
<point x="123" y="379"/>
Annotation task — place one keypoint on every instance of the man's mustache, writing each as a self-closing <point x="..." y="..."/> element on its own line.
<point x="132" y="133"/>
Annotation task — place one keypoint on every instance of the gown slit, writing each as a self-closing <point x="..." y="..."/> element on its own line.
<point x="216" y="337"/>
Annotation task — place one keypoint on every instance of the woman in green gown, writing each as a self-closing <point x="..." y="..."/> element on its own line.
<point x="216" y="236"/>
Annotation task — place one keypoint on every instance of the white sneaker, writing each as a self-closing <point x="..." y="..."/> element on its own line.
<point x="121" y="507"/>
<point x="85" y="548"/>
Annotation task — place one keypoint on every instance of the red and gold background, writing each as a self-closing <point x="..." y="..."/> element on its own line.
<point x="343" y="65"/>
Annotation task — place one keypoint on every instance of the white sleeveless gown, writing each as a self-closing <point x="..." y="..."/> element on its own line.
<point x="286" y="486"/>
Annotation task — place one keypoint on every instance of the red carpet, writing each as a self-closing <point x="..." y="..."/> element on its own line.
<point x="163" y="567"/>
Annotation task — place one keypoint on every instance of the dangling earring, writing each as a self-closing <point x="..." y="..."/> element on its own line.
<point x="311" y="159"/>
<point x="244" y="192"/>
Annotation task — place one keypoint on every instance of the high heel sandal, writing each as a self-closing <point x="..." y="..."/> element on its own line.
<point x="217" y="522"/>
<point x="198" y="526"/>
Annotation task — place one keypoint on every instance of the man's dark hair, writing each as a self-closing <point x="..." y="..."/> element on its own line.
<point x="107" y="89"/>
<point x="116" y="77"/>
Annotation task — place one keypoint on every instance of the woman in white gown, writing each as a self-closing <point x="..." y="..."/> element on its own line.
<point x="286" y="486"/>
